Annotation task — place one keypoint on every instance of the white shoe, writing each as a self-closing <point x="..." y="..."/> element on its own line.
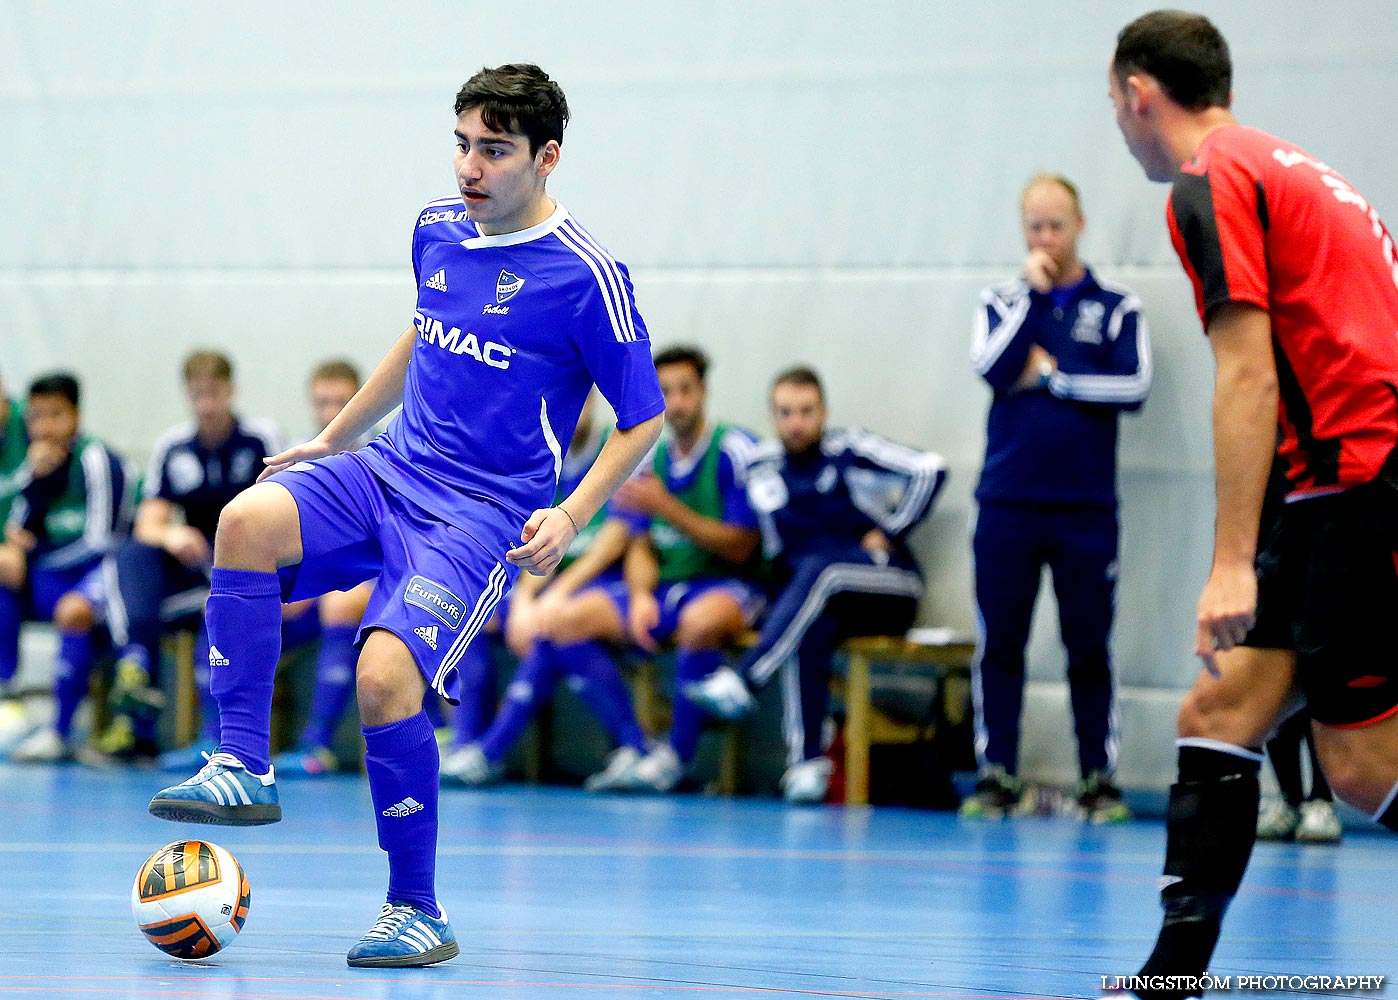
<point x="1276" y="820"/>
<point x="15" y="724"/>
<point x="619" y="773"/>
<point x="722" y="693"/>
<point x="42" y="746"/>
<point x="658" y="771"/>
<point x="807" y="781"/>
<point x="1319" y="824"/>
<point x="468" y="766"/>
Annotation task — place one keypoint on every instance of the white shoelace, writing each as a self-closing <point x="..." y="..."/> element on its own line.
<point x="214" y="760"/>
<point x="392" y="920"/>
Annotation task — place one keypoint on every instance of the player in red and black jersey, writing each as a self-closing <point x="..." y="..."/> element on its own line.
<point x="1295" y="281"/>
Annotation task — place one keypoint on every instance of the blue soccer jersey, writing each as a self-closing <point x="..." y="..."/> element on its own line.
<point x="513" y="330"/>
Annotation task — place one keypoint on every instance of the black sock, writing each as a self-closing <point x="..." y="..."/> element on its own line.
<point x="1320" y="788"/>
<point x="1284" y="751"/>
<point x="1210" y="831"/>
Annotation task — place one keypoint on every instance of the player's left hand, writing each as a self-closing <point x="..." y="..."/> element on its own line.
<point x="1227" y="611"/>
<point x="546" y="536"/>
<point x="310" y="451"/>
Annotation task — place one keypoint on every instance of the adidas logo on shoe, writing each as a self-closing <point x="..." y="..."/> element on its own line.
<point x="407" y="807"/>
<point x="438" y="281"/>
<point x="428" y="634"/>
<point x="217" y="659"/>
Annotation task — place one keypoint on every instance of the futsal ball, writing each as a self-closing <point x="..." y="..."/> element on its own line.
<point x="191" y="899"/>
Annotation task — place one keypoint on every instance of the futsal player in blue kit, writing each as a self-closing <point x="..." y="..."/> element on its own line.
<point x="519" y="312"/>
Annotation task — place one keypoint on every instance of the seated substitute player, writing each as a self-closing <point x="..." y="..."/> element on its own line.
<point x="592" y="560"/>
<point x="520" y="310"/>
<point x="335" y="615"/>
<point x="693" y="537"/>
<point x="162" y="571"/>
<point x="1293" y="273"/>
<point x="69" y="511"/>
<point x="14" y="448"/>
<point x="835" y="507"/>
<point x="1065" y="353"/>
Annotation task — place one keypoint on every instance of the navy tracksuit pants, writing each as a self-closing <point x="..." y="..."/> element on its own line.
<point x="1012" y="543"/>
<point x="831" y="596"/>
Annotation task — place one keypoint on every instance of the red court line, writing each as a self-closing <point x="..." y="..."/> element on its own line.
<point x="778" y="991"/>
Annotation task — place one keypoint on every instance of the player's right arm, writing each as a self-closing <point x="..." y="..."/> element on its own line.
<point x="380" y="393"/>
<point x="1245" y="428"/>
<point x="156" y="526"/>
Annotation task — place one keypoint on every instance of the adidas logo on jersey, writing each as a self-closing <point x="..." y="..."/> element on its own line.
<point x="217" y="659"/>
<point x="438" y="280"/>
<point x="406" y="807"/>
<point x="428" y="634"/>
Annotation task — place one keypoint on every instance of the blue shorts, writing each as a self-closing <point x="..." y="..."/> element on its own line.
<point x="435" y="585"/>
<point x="674" y="597"/>
<point x="47" y="587"/>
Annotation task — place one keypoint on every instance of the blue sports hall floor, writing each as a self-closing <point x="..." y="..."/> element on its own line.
<point x="557" y="894"/>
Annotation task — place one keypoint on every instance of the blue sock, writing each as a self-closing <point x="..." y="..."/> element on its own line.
<point x="531" y="686"/>
<point x="401" y="760"/>
<point x="71" y="675"/>
<point x="244" y="617"/>
<point x="477" y="690"/>
<point x="594" y="677"/>
<point x="208" y="707"/>
<point x="688" y="723"/>
<point x="334" y="683"/>
<point x="10" y="614"/>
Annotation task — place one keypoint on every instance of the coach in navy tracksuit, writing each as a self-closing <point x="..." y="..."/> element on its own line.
<point x="1065" y="353"/>
<point x="834" y="508"/>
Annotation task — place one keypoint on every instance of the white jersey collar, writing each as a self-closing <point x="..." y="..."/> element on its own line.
<point x="559" y="216"/>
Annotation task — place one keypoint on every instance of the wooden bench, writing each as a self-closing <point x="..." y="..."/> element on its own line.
<point x="945" y="652"/>
<point x="940" y="653"/>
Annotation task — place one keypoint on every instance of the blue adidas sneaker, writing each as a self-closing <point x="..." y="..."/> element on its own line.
<point x="404" y="937"/>
<point x="223" y="792"/>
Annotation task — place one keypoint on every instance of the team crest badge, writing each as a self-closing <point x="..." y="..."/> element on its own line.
<point x="507" y="286"/>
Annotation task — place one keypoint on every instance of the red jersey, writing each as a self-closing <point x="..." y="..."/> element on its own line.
<point x="1256" y="220"/>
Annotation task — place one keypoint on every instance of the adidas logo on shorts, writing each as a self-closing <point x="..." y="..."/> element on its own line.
<point x="217" y="659"/>
<point x="438" y="280"/>
<point x="407" y="807"/>
<point x="428" y="634"/>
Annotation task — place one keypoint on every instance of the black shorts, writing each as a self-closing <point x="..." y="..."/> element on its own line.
<point x="1331" y="572"/>
<point x="1272" y="627"/>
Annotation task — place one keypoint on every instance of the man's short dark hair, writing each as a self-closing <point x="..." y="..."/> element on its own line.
<point x="518" y="98"/>
<point x="207" y="364"/>
<point x="337" y="369"/>
<point x="800" y="375"/>
<point x="685" y="354"/>
<point x="1184" y="51"/>
<point x="56" y="384"/>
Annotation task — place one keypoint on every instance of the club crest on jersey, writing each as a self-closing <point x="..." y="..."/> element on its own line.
<point x="507" y="286"/>
<point x="1088" y="327"/>
<point x="436" y="600"/>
